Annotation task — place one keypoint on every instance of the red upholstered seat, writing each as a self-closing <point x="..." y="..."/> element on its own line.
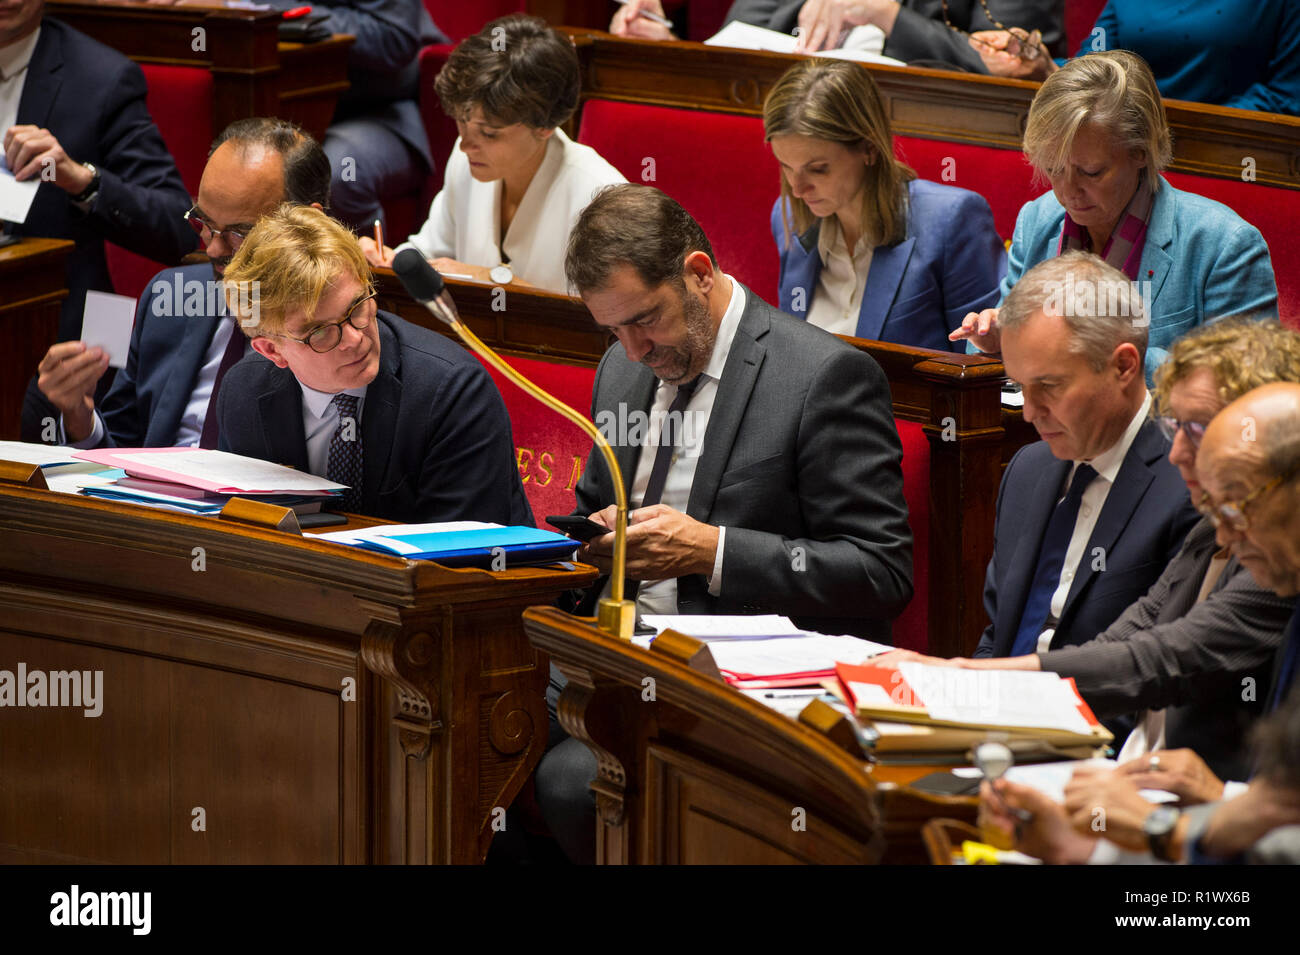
<point x="1002" y="176"/>
<point x="715" y="164"/>
<point x="1080" y="16"/>
<point x="1269" y="209"/>
<point x="550" y="450"/>
<point x="911" y="629"/>
<point x="459" y="19"/>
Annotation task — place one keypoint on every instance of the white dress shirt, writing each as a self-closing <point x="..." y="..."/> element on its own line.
<point x="1107" y="465"/>
<point x="465" y="219"/>
<point x="13" y="73"/>
<point x="837" y="301"/>
<point x="660" y="596"/>
<point x="190" y="428"/>
<point x="320" y="419"/>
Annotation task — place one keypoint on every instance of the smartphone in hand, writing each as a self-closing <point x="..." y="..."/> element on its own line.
<point x="579" y="528"/>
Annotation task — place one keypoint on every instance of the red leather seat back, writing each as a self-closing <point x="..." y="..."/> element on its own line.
<point x="1080" y="16"/>
<point x="1269" y="209"/>
<point x="715" y="164"/>
<point x="551" y="451"/>
<point x="1002" y="176"/>
<point x="180" y="102"/>
<point x="911" y="629"/>
<point x="458" y="19"/>
<point x="438" y="126"/>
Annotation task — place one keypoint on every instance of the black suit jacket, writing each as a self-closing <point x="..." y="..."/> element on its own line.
<point x="1141" y="527"/>
<point x="801" y="464"/>
<point x="919" y="33"/>
<point x="436" y="441"/>
<point x="1167" y="651"/>
<point x="92" y="99"/>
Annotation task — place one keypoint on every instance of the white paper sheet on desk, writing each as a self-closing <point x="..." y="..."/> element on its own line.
<point x="106" y="323"/>
<point x="16" y="197"/>
<point x="386" y="530"/>
<point x="810" y="653"/>
<point x="998" y="697"/>
<point x="863" y="43"/>
<point x="71" y="480"/>
<point x="1051" y="778"/>
<point x="42" y="455"/>
<point x="703" y="626"/>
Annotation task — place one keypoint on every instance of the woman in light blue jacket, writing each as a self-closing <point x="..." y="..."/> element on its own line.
<point x="1097" y="132"/>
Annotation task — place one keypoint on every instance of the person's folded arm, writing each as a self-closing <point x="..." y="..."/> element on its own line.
<point x="387" y="32"/>
<point x="856" y="557"/>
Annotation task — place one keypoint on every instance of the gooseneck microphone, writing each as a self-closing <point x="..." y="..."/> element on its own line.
<point x="615" y="615"/>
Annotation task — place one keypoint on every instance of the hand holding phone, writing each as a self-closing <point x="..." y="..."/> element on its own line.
<point x="579" y="528"/>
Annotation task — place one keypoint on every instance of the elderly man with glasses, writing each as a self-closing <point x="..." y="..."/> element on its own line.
<point x="183" y="342"/>
<point x="407" y="419"/>
<point x="1192" y="656"/>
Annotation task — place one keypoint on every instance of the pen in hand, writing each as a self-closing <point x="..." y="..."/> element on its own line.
<point x="653" y="17"/>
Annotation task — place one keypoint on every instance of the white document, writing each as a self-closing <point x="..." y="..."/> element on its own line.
<point x="106" y="322"/>
<point x="807" y="654"/>
<point x="43" y="455"/>
<point x="711" y="627"/>
<point x="1051" y="778"/>
<point x="386" y="530"/>
<point x="71" y="480"/>
<point x="1013" y="399"/>
<point x="863" y="43"/>
<point x="786" y="702"/>
<point x="996" y="697"/>
<point x="16" y="197"/>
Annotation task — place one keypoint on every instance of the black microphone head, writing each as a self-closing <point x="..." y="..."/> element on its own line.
<point x="420" y="279"/>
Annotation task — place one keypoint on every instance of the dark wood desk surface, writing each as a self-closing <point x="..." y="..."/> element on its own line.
<point x="32" y="289"/>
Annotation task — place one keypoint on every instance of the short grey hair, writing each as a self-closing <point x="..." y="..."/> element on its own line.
<point x="1279" y="436"/>
<point x="1101" y="306"/>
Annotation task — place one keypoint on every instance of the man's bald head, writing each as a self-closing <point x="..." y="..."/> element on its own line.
<point x="1250" y="459"/>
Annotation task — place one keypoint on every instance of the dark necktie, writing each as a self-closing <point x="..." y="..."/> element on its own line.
<point x="670" y="442"/>
<point x="234" y="351"/>
<point x="1290" y="656"/>
<point x="1051" y="557"/>
<point x="345" y="452"/>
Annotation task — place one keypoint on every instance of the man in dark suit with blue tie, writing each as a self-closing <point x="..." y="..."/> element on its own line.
<point x="1088" y="518"/>
<point x="183" y="342"/>
<point x="408" y="419"/>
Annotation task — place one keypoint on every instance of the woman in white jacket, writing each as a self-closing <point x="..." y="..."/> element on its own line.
<point x="515" y="183"/>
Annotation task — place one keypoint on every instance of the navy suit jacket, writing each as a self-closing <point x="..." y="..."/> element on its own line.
<point x="435" y="435"/>
<point x="1140" y="530"/>
<point x="143" y="408"/>
<point x="920" y="289"/>
<point x="92" y="99"/>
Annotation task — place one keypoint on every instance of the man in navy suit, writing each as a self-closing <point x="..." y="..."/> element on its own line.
<point x="406" y="418"/>
<point x="73" y="116"/>
<point x="1088" y="518"/>
<point x="182" y="339"/>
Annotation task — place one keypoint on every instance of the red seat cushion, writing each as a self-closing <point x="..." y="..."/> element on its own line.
<point x="1002" y="176"/>
<point x="458" y="19"/>
<point x="1269" y="209"/>
<point x="715" y="164"/>
<point x="551" y="451"/>
<point x="911" y="629"/>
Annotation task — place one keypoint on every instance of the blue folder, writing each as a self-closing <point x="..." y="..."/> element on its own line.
<point x="476" y="548"/>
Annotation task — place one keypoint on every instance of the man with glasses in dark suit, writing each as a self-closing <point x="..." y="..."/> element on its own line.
<point x="406" y="418"/>
<point x="183" y="341"/>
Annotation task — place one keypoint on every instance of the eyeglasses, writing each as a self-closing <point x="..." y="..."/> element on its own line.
<point x="327" y="337"/>
<point x="1233" y="513"/>
<point x="206" y="232"/>
<point x="1170" y="427"/>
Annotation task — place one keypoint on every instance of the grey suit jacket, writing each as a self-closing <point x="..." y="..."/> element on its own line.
<point x="920" y="33"/>
<point x="801" y="464"/>
<point x="1166" y="650"/>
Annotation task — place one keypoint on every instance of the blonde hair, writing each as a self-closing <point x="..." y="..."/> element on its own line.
<point x="1113" y="91"/>
<point x="288" y="261"/>
<point x="838" y="102"/>
<point x="1241" y="353"/>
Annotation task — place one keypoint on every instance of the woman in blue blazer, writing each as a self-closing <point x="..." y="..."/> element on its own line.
<point x="1097" y="132"/>
<point x="867" y="249"/>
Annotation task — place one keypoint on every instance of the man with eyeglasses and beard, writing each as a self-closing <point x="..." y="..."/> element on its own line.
<point x="183" y="341"/>
<point x="406" y="418"/>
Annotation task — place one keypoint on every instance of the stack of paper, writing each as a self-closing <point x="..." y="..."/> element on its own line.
<point x="63" y="472"/>
<point x="919" y="708"/>
<point x="764" y="651"/>
<point x="863" y="43"/>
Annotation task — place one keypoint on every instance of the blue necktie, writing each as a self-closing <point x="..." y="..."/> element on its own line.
<point x="345" y="452"/>
<point x="1051" y="557"/>
<point x="1286" y="674"/>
